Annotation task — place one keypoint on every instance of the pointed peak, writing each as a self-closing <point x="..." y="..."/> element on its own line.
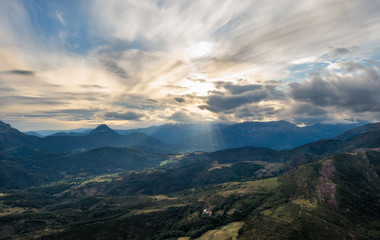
<point x="102" y="129"/>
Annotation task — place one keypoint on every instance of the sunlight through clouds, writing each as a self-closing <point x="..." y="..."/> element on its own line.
<point x="140" y="56"/>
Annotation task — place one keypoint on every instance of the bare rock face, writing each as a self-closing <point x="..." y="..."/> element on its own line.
<point x="326" y="191"/>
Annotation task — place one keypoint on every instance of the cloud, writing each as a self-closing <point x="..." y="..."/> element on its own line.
<point x="91" y="86"/>
<point x="239" y="95"/>
<point x="257" y="112"/>
<point x="64" y="114"/>
<point x="180" y="117"/>
<point x="356" y="91"/>
<point x="304" y="109"/>
<point x="130" y="116"/>
<point x="179" y="99"/>
<point x="114" y="68"/>
<point x="59" y="15"/>
<point x="18" y="72"/>
<point x="339" y="51"/>
<point x="123" y="53"/>
<point x="27" y="101"/>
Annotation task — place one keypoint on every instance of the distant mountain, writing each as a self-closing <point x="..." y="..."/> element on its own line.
<point x="103" y="131"/>
<point x="69" y="134"/>
<point x="211" y="137"/>
<point x="33" y="133"/>
<point x="277" y="135"/>
<point x="73" y="132"/>
<point x="102" y="136"/>
<point x="175" y="133"/>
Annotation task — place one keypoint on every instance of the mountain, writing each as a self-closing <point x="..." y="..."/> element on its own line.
<point x="103" y="130"/>
<point x="359" y="130"/>
<point x="33" y="133"/>
<point x="192" y="137"/>
<point x="277" y="135"/>
<point x="44" y="133"/>
<point x="10" y="137"/>
<point x="69" y="134"/>
<point x="175" y="133"/>
<point x="100" y="137"/>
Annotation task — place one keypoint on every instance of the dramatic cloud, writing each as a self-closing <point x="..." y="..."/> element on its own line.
<point x="238" y="95"/>
<point x="357" y="90"/>
<point x="238" y="89"/>
<point x="146" y="62"/>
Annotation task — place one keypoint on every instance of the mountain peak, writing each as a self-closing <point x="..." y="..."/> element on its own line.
<point x="103" y="129"/>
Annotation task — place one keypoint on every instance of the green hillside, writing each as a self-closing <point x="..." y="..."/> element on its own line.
<point x="336" y="197"/>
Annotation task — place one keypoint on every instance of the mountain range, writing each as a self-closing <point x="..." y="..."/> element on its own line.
<point x="325" y="189"/>
<point x="101" y="136"/>
<point x="278" y="135"/>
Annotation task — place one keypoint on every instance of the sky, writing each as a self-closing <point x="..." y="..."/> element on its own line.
<point x="135" y="63"/>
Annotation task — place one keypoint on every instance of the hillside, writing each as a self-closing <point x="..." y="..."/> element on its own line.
<point x="336" y="197"/>
<point x="22" y="167"/>
<point x="371" y="127"/>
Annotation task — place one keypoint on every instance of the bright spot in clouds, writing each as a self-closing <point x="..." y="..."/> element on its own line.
<point x="197" y="87"/>
<point x="200" y="49"/>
